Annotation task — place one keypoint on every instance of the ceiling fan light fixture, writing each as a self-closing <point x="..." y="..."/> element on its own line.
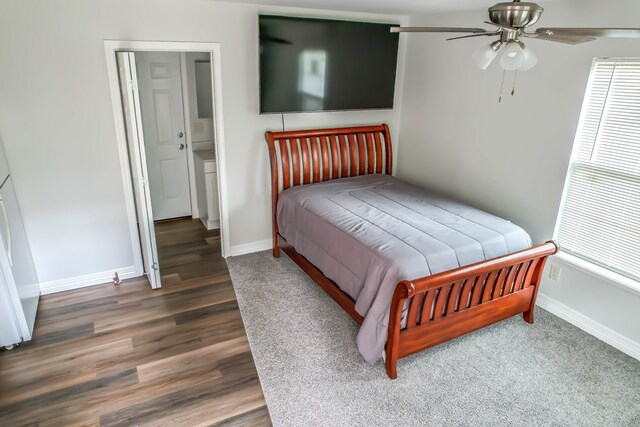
<point x="530" y="59"/>
<point x="510" y="21"/>
<point x="485" y="56"/>
<point x="512" y="57"/>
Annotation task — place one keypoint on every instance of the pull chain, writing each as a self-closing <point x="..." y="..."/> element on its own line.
<point x="513" y="89"/>
<point x="502" y="85"/>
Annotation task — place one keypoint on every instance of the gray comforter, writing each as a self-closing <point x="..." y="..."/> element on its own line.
<point x="368" y="233"/>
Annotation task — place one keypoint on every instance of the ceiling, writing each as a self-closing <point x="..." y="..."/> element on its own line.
<point x="399" y="7"/>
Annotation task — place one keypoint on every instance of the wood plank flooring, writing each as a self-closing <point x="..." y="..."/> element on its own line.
<point x="127" y="355"/>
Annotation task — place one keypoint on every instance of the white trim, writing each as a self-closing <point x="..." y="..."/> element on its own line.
<point x="601" y="273"/>
<point x="211" y="225"/>
<point x="86" y="280"/>
<point x="193" y="190"/>
<point x="248" y="248"/>
<point x="590" y="326"/>
<point x="219" y="145"/>
<point x="111" y="47"/>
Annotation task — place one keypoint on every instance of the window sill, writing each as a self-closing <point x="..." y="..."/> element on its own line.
<point x="599" y="272"/>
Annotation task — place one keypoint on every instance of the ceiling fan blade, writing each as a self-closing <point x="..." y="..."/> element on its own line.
<point x="436" y="30"/>
<point x="572" y="40"/>
<point x="631" y="33"/>
<point x="495" y="33"/>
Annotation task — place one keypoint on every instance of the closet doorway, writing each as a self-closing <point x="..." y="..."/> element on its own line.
<point x="167" y="107"/>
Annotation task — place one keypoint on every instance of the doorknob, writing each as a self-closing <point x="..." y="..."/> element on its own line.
<point x="180" y="146"/>
<point x="180" y="134"/>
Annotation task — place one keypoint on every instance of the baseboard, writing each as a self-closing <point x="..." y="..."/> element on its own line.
<point x="590" y="326"/>
<point x="247" y="248"/>
<point x="210" y="225"/>
<point x="86" y="280"/>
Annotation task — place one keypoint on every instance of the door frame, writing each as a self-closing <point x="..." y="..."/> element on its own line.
<point x="214" y="49"/>
<point x="193" y="188"/>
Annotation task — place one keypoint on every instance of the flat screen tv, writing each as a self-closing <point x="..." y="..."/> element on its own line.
<point x="325" y="65"/>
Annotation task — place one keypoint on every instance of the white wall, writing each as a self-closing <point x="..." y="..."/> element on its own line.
<point x="57" y="125"/>
<point x="511" y="158"/>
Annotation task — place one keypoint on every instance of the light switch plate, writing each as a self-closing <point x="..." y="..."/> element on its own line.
<point x="554" y="272"/>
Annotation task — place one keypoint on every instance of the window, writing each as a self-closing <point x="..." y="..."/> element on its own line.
<point x="599" y="218"/>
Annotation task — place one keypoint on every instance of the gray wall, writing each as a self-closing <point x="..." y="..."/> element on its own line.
<point x="58" y="128"/>
<point x="511" y="158"/>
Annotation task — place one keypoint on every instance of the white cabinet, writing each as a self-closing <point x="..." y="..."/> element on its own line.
<point x="211" y="187"/>
<point x="207" y="188"/>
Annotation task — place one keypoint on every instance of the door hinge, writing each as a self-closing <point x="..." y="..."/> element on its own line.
<point x="143" y="180"/>
<point x="133" y="85"/>
<point x="154" y="266"/>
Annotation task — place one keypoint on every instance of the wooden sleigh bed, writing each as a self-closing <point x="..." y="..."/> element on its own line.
<point x="438" y="307"/>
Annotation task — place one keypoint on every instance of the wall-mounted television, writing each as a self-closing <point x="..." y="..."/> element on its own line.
<point x="325" y="65"/>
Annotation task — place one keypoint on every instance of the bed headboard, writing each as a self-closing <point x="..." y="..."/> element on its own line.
<point x="316" y="155"/>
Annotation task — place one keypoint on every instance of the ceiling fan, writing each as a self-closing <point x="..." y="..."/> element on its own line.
<point x="511" y="20"/>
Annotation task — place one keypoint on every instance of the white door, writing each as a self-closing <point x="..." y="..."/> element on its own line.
<point x="160" y="88"/>
<point x="138" y="163"/>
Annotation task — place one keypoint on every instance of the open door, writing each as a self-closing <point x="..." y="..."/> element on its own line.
<point x="135" y="143"/>
<point x="163" y="125"/>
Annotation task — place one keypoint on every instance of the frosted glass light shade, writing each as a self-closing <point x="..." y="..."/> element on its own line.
<point x="530" y="59"/>
<point x="512" y="56"/>
<point x="485" y="56"/>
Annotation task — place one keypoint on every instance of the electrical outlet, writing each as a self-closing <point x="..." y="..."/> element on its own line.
<point x="554" y="272"/>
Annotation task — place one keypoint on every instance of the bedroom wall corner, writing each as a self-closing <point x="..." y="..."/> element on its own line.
<point x="510" y="158"/>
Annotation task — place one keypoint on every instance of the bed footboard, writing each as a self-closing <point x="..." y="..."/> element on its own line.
<point x="453" y="303"/>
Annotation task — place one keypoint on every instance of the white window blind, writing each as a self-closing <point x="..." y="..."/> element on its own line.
<point x="599" y="218"/>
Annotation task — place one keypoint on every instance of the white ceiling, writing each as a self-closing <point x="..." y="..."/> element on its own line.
<point x="399" y="7"/>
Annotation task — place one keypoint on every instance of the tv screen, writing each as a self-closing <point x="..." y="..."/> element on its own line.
<point x="324" y="65"/>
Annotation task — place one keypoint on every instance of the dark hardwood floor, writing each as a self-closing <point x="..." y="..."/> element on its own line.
<point x="128" y="355"/>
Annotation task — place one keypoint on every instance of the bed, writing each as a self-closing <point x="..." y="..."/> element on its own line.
<point x="413" y="268"/>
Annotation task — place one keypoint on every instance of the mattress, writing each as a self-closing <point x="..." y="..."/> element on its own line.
<point x="370" y="232"/>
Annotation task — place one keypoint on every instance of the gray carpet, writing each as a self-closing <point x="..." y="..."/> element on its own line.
<point x="511" y="373"/>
